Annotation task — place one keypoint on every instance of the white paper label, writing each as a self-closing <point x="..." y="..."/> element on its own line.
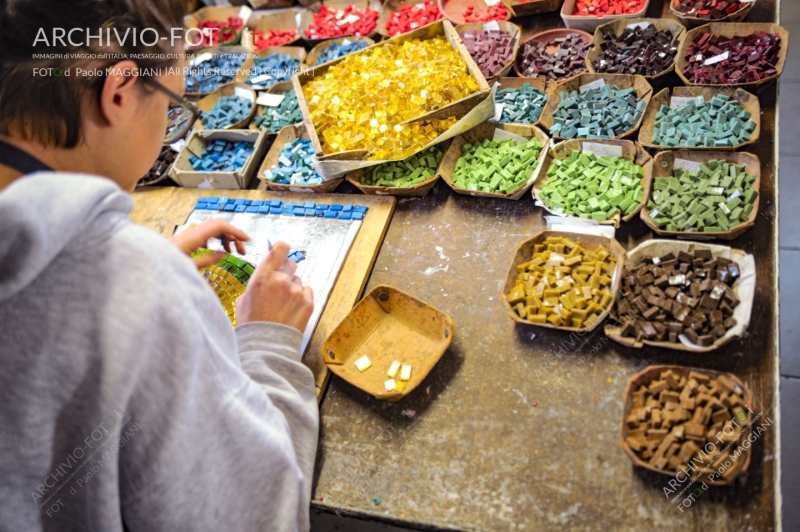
<point x="259" y="79"/>
<point x="679" y="102"/>
<point x="502" y="134"/>
<point x="345" y="42"/>
<point x="178" y="146"/>
<point x="717" y="59"/>
<point x="492" y="2"/>
<point x="689" y="166"/>
<point x="243" y="93"/>
<point x="596" y="84"/>
<point x="202" y="58"/>
<point x="270" y="100"/>
<point x="498" y="111"/>
<point x="641" y="25"/>
<point x="601" y="150"/>
<point x="493" y="25"/>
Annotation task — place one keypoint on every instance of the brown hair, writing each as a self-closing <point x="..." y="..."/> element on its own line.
<point x="48" y="108"/>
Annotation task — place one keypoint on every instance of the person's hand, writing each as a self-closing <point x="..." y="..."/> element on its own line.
<point x="196" y="237"/>
<point x="275" y="294"/>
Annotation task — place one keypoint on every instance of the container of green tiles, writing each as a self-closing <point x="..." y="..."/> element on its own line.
<point x="585" y="82"/>
<point x="688" y="176"/>
<point x="515" y="84"/>
<point x="413" y="176"/>
<point x="690" y="118"/>
<point x="604" y="191"/>
<point x="277" y="115"/>
<point x="494" y="166"/>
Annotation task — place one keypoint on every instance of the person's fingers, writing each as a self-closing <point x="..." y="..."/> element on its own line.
<point x="297" y="280"/>
<point x="309" y="293"/>
<point x="240" y="247"/>
<point x="208" y="259"/>
<point x="274" y="261"/>
<point x="289" y="267"/>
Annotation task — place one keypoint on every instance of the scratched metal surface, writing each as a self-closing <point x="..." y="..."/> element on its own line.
<point x="517" y="428"/>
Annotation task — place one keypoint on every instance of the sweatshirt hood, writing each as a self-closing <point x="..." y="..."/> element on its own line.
<point x="44" y="213"/>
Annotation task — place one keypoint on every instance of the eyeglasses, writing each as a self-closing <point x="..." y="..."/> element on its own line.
<point x="181" y="115"/>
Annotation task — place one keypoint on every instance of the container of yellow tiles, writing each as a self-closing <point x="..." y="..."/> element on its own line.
<point x="392" y="99"/>
<point x="388" y="343"/>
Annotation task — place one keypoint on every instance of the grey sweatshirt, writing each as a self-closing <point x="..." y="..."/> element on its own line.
<point x="126" y="398"/>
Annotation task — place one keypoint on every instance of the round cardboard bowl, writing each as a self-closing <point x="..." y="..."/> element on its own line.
<point x="278" y="88"/>
<point x="652" y="373"/>
<point x="524" y="253"/>
<point x="546" y="36"/>
<point x="285" y="136"/>
<point x="294" y="51"/>
<point x="313" y="55"/>
<point x="218" y="50"/>
<point x="217" y="14"/>
<point x="420" y="189"/>
<point x="534" y="7"/>
<point x="506" y="27"/>
<point x="630" y="151"/>
<point x="543" y="84"/>
<point x="663" y="164"/>
<point x="644" y="91"/>
<point x="748" y="101"/>
<point x="285" y="19"/>
<point x="618" y="27"/>
<point x="308" y="17"/>
<point x="693" y="22"/>
<point x="389" y="7"/>
<point x="744" y="288"/>
<point x="483" y="131"/>
<point x="453" y="9"/>
<point x="207" y="103"/>
<point x="729" y="30"/>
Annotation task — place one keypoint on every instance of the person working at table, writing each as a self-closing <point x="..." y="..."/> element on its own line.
<point x="127" y="400"/>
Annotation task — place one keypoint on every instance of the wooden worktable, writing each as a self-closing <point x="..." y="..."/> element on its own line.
<point x="490" y="444"/>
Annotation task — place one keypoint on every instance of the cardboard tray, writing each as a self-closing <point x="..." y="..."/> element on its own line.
<point x="630" y="151"/>
<point x="546" y="36"/>
<point x="693" y="22"/>
<point x="470" y="111"/>
<point x="534" y="7"/>
<point x="285" y="136"/>
<point x="219" y="50"/>
<point x="183" y="174"/>
<point x="731" y="29"/>
<point x="420" y="189"/>
<point x="207" y="103"/>
<point x="295" y="51"/>
<point x="618" y="27"/>
<point x="314" y="7"/>
<point x="664" y="163"/>
<point x="217" y="14"/>
<point x="388" y="325"/>
<point x="486" y="131"/>
<point x="506" y="27"/>
<point x="283" y="86"/>
<point x="748" y="101"/>
<point x="744" y="287"/>
<point x="389" y="7"/>
<point x="524" y="253"/>
<point x="453" y="9"/>
<point x="313" y="55"/>
<point x="591" y="23"/>
<point x="651" y="373"/>
<point x="623" y="81"/>
<point x="543" y="84"/>
<point x="284" y="19"/>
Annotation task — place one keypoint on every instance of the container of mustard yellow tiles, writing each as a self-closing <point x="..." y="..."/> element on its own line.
<point x="392" y="99"/>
